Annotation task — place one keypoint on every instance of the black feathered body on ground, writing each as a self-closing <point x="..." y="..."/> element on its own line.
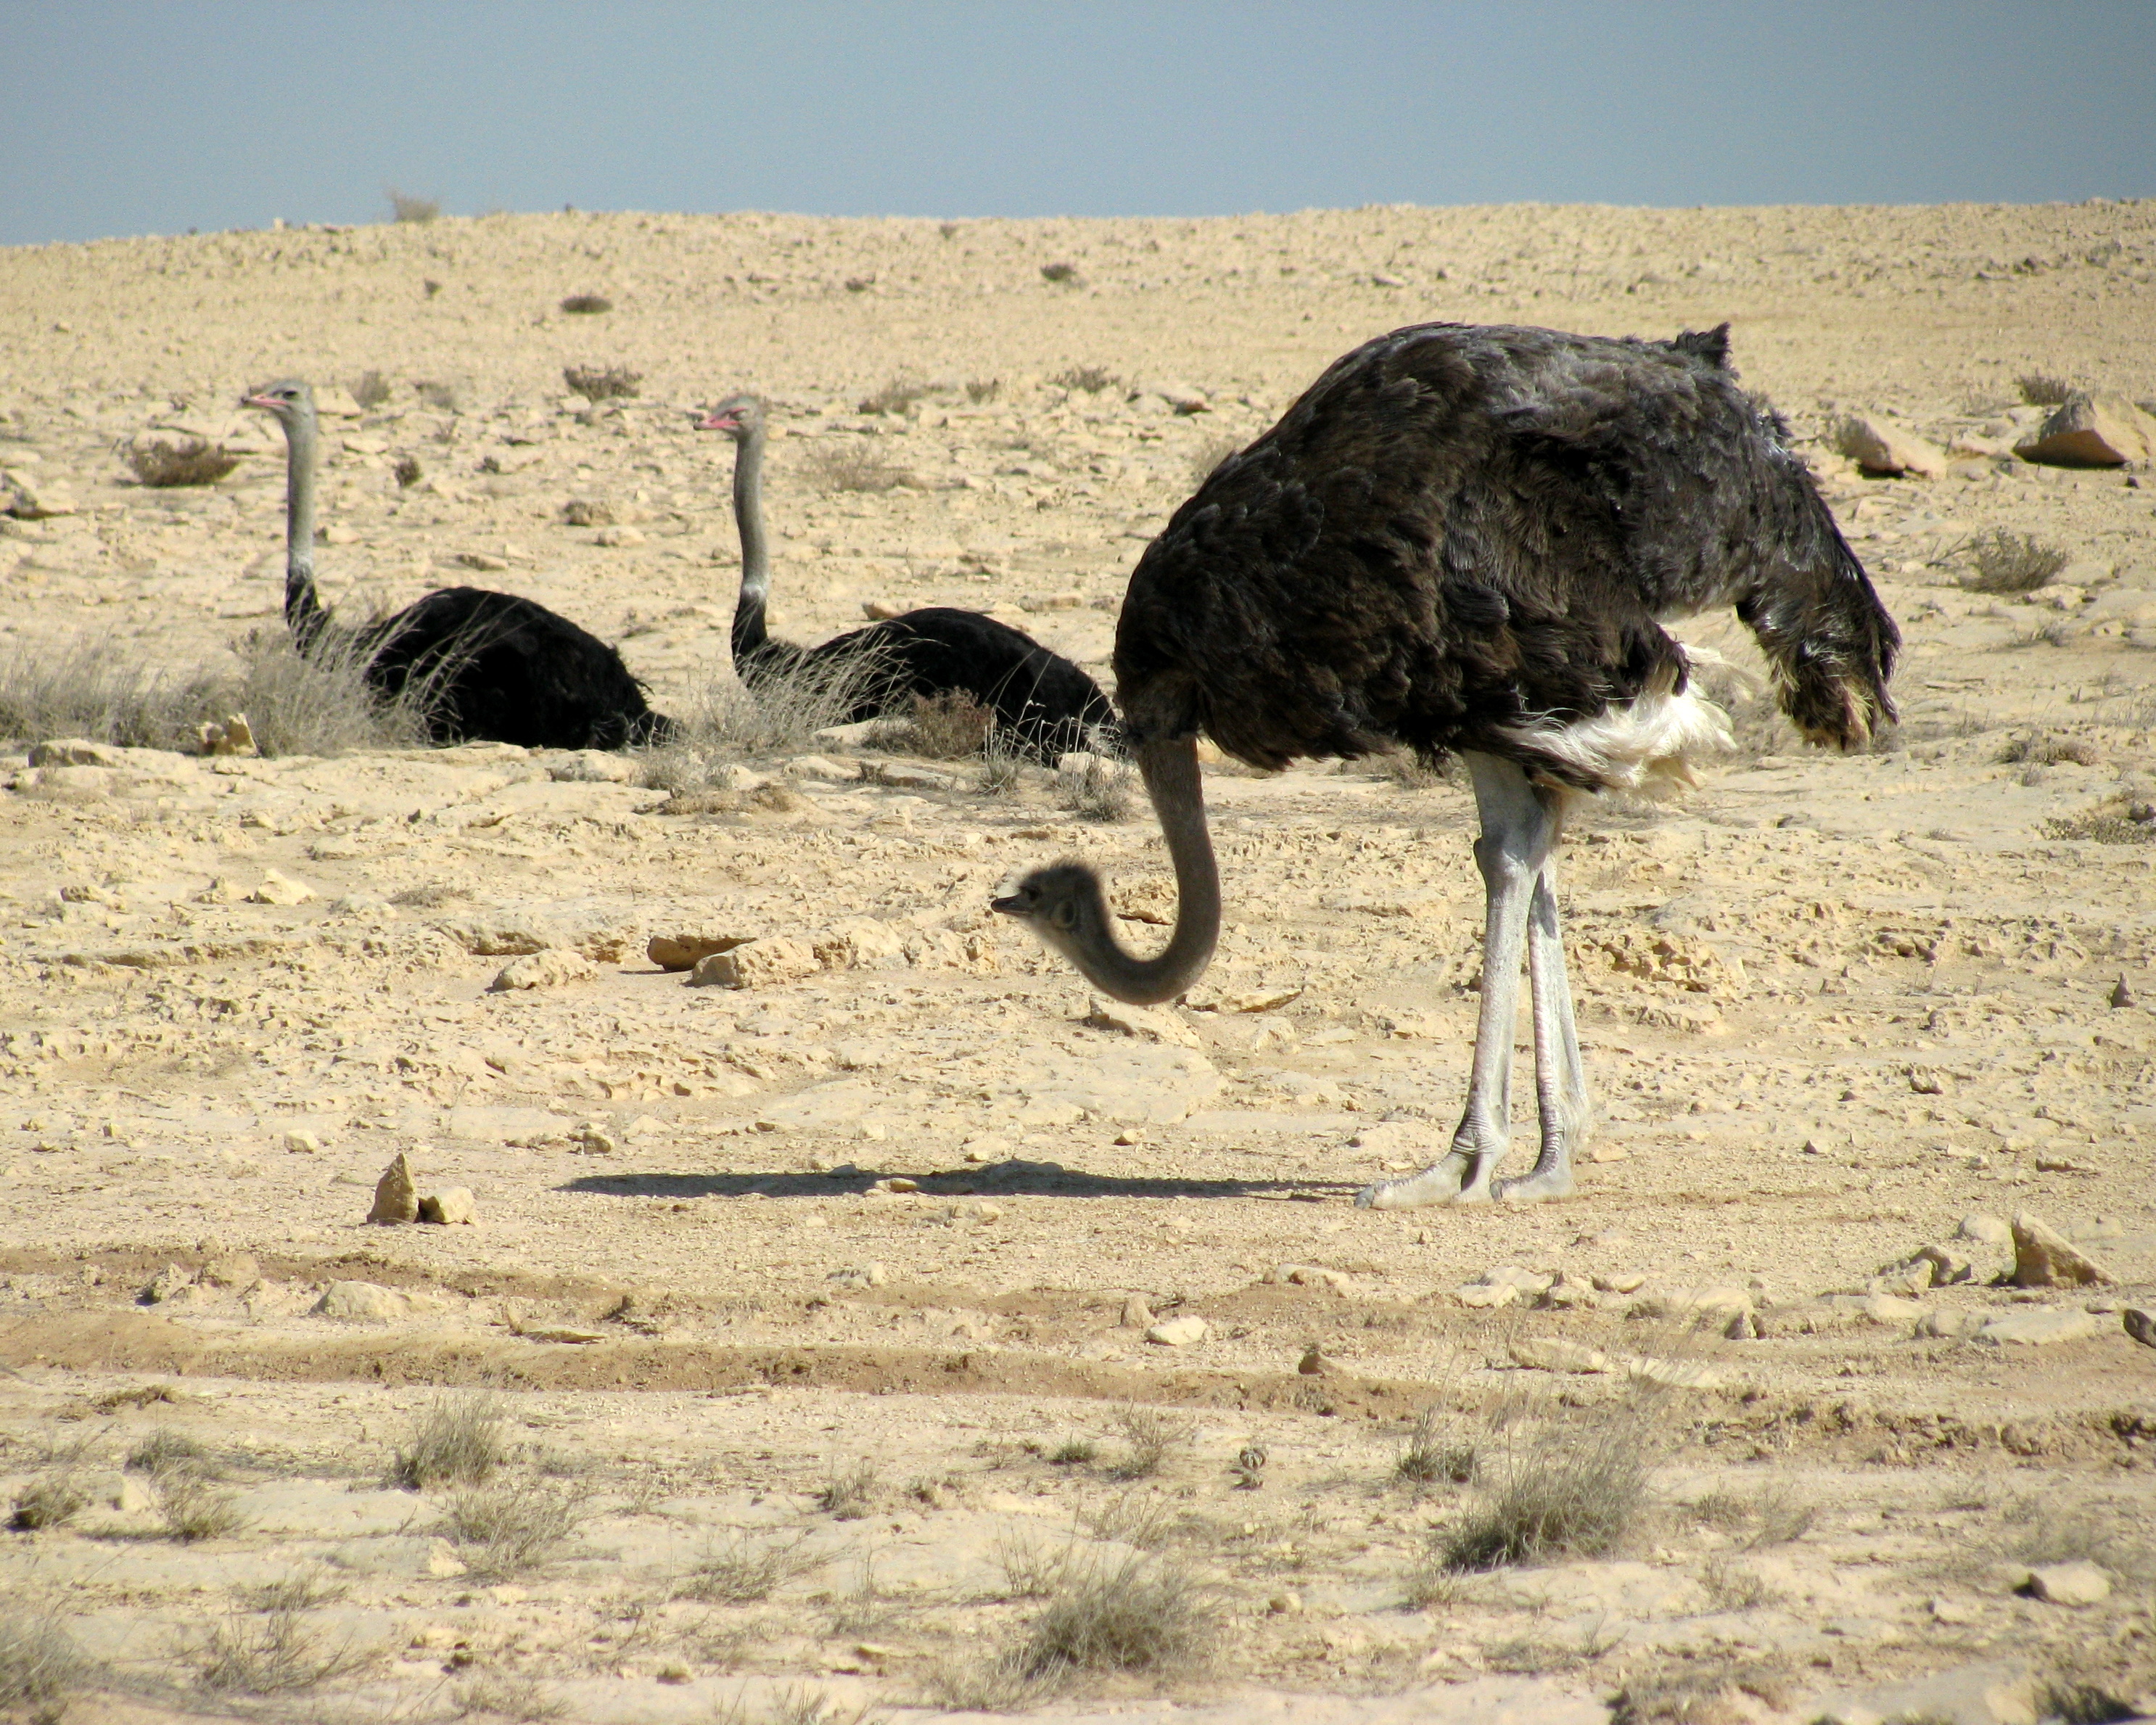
<point x="1041" y="701"/>
<point x="493" y="666"/>
<point x="1468" y="540"/>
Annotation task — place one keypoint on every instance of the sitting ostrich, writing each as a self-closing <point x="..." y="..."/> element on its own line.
<point x="1041" y="700"/>
<point x="502" y="668"/>
<point x="1467" y="540"/>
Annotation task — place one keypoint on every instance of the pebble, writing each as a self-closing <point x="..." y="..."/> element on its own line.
<point x="1179" y="1331"/>
<point x="1878" y="447"/>
<point x="2139" y="1323"/>
<point x="1501" y="1286"/>
<point x="2082" y="1583"/>
<point x="302" y="1144"/>
<point x="396" y="1198"/>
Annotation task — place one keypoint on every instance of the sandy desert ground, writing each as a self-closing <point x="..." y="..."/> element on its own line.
<point x="818" y="1318"/>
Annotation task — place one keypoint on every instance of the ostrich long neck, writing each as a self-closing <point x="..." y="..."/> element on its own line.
<point x="749" y="634"/>
<point x="1179" y="799"/>
<point x="302" y="608"/>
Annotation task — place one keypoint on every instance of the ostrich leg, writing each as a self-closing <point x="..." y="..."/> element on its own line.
<point x="1560" y="1081"/>
<point x="1519" y="830"/>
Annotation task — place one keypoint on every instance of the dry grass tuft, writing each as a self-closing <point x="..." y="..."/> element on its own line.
<point x="980" y="390"/>
<point x="1092" y="379"/>
<point x="195" y="1507"/>
<point x="2039" y="389"/>
<point x="454" y="1442"/>
<point x="502" y="1529"/>
<point x="499" y="1695"/>
<point x="1710" y="1693"/>
<point x="1063" y="275"/>
<point x="2007" y="563"/>
<point x="1032" y="1569"/>
<point x="39" y="1663"/>
<point x="949" y="727"/>
<point x="274" y="1654"/>
<point x="407" y="471"/>
<point x="49" y="1500"/>
<point x="1099" y="790"/>
<point x="404" y="207"/>
<point x="1138" y="1615"/>
<point x="897" y="396"/>
<point x="1436" y="1451"/>
<point x="602" y="382"/>
<point x="371" y="390"/>
<point x="192" y="461"/>
<point x="1772" y="1515"/>
<point x="166" y="1451"/>
<point x="1575" y="1485"/>
<point x="2120" y="821"/>
<point x="738" y="1570"/>
<point x="720" y="722"/>
<point x="1408" y="770"/>
<point x="852" y="464"/>
<point x="2040" y="1530"/>
<point x="2040" y="748"/>
<point x="1143" y="1519"/>
<point x="799" y="1705"/>
<point x="587" y="304"/>
<point x="849" y="1493"/>
<point x="1148" y="1436"/>
<point x="1073" y="1452"/>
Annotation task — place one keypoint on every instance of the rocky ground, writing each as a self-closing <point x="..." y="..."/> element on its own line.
<point x="847" y="1333"/>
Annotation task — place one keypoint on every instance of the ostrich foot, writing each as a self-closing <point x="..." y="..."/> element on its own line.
<point x="1458" y="1176"/>
<point x="1530" y="1187"/>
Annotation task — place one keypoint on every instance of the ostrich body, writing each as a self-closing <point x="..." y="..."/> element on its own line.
<point x="1466" y="540"/>
<point x="1040" y="699"/>
<point x="501" y="668"/>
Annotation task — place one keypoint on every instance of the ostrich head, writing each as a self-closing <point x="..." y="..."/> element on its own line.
<point x="291" y="401"/>
<point x="1063" y="904"/>
<point x="741" y="417"/>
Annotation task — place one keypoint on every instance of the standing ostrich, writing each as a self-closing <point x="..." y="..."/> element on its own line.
<point x="1466" y="540"/>
<point x="1039" y="699"/>
<point x="503" y="668"/>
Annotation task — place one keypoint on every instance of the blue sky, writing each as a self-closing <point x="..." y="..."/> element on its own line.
<point x="130" y="116"/>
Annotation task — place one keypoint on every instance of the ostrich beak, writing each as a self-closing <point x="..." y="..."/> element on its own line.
<point x="262" y="402"/>
<point x="717" y="422"/>
<point x="1013" y="905"/>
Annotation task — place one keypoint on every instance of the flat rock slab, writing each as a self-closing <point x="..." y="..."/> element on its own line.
<point x="2038" y="1327"/>
<point x="1993" y="1693"/>
<point x="2082" y="1583"/>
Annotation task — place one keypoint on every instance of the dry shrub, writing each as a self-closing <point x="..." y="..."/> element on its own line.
<point x="602" y="382"/>
<point x="1148" y="1436"/>
<point x="190" y="461"/>
<point x="949" y="727"/>
<point x="2039" y="389"/>
<point x="195" y="1507"/>
<point x="1136" y="1615"/>
<point x="502" y="1529"/>
<point x="897" y="396"/>
<point x="1092" y="379"/>
<point x="849" y="1492"/>
<point x="850" y="464"/>
<point x="1571" y="1485"/>
<point x="499" y="1695"/>
<point x="1139" y="1518"/>
<point x="1710" y="1693"/>
<point x="1772" y="1515"/>
<point x="587" y="304"/>
<point x="1073" y="1452"/>
<point x="798" y="1705"/>
<point x="1061" y="274"/>
<point x="1099" y="790"/>
<point x="274" y="1654"/>
<point x="1408" y="770"/>
<point x="738" y="1570"/>
<point x="454" y="1442"/>
<point x="1002" y="766"/>
<point x="49" y="1500"/>
<point x="2007" y="563"/>
<point x="371" y="390"/>
<point x="980" y="390"/>
<point x="2040" y="749"/>
<point x="2120" y="821"/>
<point x="39" y="1663"/>
<point x="1032" y="1569"/>
<point x="2039" y="1530"/>
<point x="1436" y="1451"/>
<point x="720" y="722"/>
<point x="407" y="471"/>
<point x="403" y="208"/>
<point x="442" y="395"/>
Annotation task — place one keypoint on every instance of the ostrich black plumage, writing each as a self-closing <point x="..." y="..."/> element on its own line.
<point x="1041" y="700"/>
<point x="494" y="666"/>
<point x="1467" y="540"/>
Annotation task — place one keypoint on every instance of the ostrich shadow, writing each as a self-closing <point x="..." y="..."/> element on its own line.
<point x="1014" y="1178"/>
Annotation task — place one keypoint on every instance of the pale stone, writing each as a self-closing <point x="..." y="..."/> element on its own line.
<point x="549" y="969"/>
<point x="1553" y="1353"/>
<point x="451" y="1205"/>
<point x="167" y="1284"/>
<point x="298" y="1142"/>
<point x="1179" y="1331"/>
<point x="1148" y="1024"/>
<point x="363" y="1302"/>
<point x="757" y="964"/>
<point x="396" y="1198"/>
<point x="1675" y="1374"/>
<point x="2038" y="1327"/>
<point x="1992" y="1231"/>
<point x="277" y="889"/>
<point x="76" y="752"/>
<point x="2091" y="431"/>
<point x="682" y="951"/>
<point x="233" y="1270"/>
<point x="1878" y="447"/>
<point x="2079" y="1584"/>
<point x="1993" y="1693"/>
<point x="2044" y="1258"/>
<point x="1949" y="1324"/>
<point x="1137" y="1314"/>
<point x="1714" y="1303"/>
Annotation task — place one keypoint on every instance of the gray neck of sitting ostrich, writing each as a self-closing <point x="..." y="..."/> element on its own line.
<point x="300" y="448"/>
<point x="749" y="627"/>
<point x="1172" y="780"/>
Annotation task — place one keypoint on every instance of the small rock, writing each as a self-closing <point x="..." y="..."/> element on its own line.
<point x="277" y="889"/>
<point x="1675" y="1374"/>
<point x="867" y="1275"/>
<point x="2121" y="996"/>
<point x="1990" y="1229"/>
<point x="1623" y="1281"/>
<point x="168" y="1283"/>
<point x="1137" y="1315"/>
<point x="2091" y="431"/>
<point x="594" y="1140"/>
<point x="2037" y="1326"/>
<point x="2044" y="1258"/>
<point x="451" y="1205"/>
<point x="619" y="537"/>
<point x="1713" y="1303"/>
<point x="1147" y="1024"/>
<point x="1553" y="1353"/>
<point x="756" y="964"/>
<point x="1569" y="1292"/>
<point x="2082" y="1583"/>
<point x="897" y="1183"/>
<point x="1949" y="1323"/>
<point x="2140" y="1324"/>
<point x="547" y="969"/>
<point x="1179" y="1331"/>
<point x="75" y="751"/>
<point x="682" y="952"/>
<point x="30" y="498"/>
<point x="363" y="1302"/>
<point x="1880" y="448"/>
<point x="1502" y="1285"/>
<point x="298" y="1143"/>
<point x="1314" y="1364"/>
<point x="232" y="1269"/>
<point x="234" y="737"/>
<point x="396" y="1198"/>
